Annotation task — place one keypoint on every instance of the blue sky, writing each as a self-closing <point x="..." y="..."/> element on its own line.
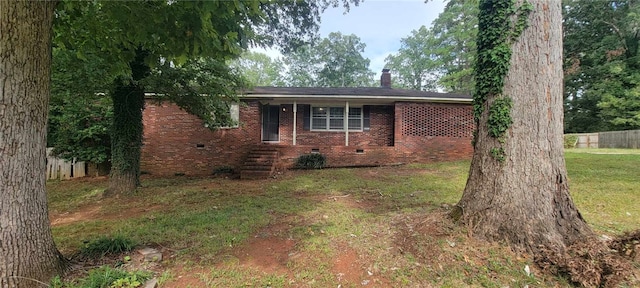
<point x="380" y="24"/>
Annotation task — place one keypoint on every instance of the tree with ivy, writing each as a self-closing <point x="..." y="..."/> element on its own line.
<point x="334" y="61"/>
<point x="517" y="190"/>
<point x="414" y="66"/>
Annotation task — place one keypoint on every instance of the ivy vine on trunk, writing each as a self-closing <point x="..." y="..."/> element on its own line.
<point x="500" y="25"/>
<point x="126" y="138"/>
<point x="518" y="191"/>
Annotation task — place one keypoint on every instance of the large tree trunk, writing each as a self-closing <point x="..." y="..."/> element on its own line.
<point x="126" y="135"/>
<point x="524" y="200"/>
<point x="27" y="252"/>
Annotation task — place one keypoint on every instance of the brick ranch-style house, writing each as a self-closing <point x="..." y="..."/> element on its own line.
<point x="350" y="126"/>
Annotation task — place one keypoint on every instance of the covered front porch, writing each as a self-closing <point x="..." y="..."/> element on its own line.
<point x="329" y="123"/>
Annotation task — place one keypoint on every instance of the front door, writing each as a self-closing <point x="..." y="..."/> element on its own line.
<point x="270" y="123"/>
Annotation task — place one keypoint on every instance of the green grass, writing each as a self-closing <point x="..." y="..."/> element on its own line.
<point x="383" y="214"/>
<point x="605" y="189"/>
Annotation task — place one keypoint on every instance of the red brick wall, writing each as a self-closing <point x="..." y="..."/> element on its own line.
<point x="404" y="133"/>
<point x="171" y="138"/>
<point x="342" y="156"/>
<point x="433" y="131"/>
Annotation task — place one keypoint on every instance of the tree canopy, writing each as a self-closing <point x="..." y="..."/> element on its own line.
<point x="441" y="56"/>
<point x="259" y="69"/>
<point x="79" y="114"/>
<point x="455" y="32"/>
<point x="335" y="61"/>
<point x="602" y="66"/>
<point x="415" y="65"/>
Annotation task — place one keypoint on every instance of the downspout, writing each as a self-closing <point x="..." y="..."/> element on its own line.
<point x="346" y="124"/>
<point x="295" y="118"/>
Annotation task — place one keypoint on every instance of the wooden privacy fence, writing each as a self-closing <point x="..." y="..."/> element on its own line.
<point x="588" y="140"/>
<point x="62" y="169"/>
<point x="610" y="139"/>
<point x="619" y="139"/>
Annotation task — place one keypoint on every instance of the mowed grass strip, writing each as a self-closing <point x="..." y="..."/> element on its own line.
<point x="385" y="215"/>
<point x="606" y="188"/>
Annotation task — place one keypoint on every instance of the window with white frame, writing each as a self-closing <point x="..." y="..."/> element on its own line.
<point x="332" y="118"/>
<point x="355" y="118"/>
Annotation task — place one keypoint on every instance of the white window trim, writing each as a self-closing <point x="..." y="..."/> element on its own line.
<point x="327" y="118"/>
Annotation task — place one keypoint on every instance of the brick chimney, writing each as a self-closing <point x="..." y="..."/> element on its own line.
<point x="385" y="78"/>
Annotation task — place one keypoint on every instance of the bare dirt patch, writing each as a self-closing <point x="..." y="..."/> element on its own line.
<point x="377" y="173"/>
<point x="269" y="255"/>
<point x="96" y="212"/>
<point x="185" y="278"/>
<point x="419" y="235"/>
<point x="87" y="212"/>
<point x="350" y="269"/>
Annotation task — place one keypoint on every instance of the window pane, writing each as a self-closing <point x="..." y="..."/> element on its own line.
<point x="319" y="123"/>
<point x="355" y="124"/>
<point x="336" y="124"/>
<point x="319" y="112"/>
<point x="336" y="118"/>
<point x="319" y="118"/>
<point x="336" y="112"/>
<point x="355" y="113"/>
<point x="355" y="118"/>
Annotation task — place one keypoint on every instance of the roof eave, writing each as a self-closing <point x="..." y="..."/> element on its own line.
<point x="375" y="98"/>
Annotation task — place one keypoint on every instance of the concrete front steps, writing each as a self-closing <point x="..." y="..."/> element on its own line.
<point x="261" y="162"/>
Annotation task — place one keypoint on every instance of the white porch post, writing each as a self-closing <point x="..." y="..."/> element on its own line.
<point x="346" y="124"/>
<point x="295" y="118"/>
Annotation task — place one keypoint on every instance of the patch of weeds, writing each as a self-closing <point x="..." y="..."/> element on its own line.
<point x="312" y="270"/>
<point x="107" y="246"/>
<point x="272" y="280"/>
<point x="570" y="141"/>
<point x="106" y="277"/>
<point x="239" y="277"/>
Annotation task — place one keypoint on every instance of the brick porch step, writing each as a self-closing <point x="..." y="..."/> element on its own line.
<point x="260" y="163"/>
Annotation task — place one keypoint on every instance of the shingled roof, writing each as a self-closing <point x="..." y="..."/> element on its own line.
<point x="353" y="93"/>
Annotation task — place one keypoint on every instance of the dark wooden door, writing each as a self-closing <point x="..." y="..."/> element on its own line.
<point x="270" y="122"/>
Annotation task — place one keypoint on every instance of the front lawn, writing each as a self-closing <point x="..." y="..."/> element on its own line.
<point x="372" y="227"/>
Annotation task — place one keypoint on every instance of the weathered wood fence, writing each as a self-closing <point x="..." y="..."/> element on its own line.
<point x="62" y="169"/>
<point x="589" y="140"/>
<point x="619" y="139"/>
<point x="610" y="139"/>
